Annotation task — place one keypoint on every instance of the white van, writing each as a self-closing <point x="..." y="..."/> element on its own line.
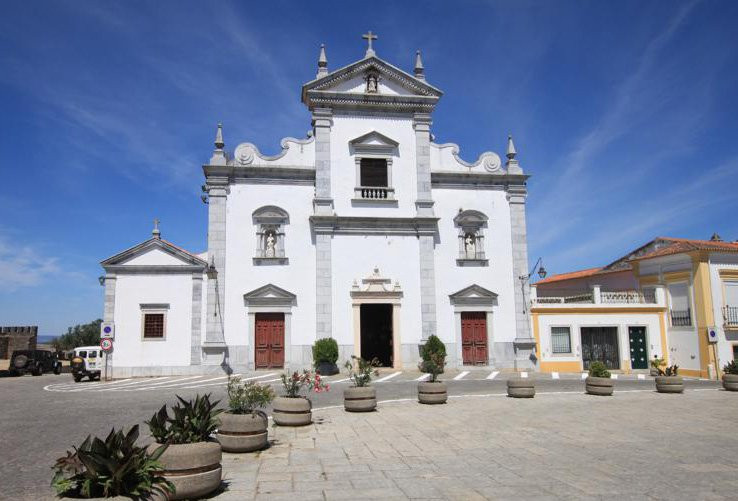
<point x="87" y="361"/>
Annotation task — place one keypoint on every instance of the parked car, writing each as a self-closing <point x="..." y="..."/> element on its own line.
<point x="87" y="362"/>
<point x="34" y="361"/>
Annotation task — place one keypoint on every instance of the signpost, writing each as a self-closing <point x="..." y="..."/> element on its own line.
<point x="107" y="334"/>
<point x="106" y="344"/>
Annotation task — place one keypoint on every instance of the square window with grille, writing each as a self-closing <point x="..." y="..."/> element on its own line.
<point x="560" y="340"/>
<point x="153" y="325"/>
<point x="374" y="172"/>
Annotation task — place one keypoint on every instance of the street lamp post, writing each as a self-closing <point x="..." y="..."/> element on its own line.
<point x="525" y="278"/>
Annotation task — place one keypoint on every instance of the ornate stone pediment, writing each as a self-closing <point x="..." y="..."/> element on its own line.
<point x="270" y="295"/>
<point x="375" y="285"/>
<point x="473" y="295"/>
<point x="374" y="142"/>
<point x="154" y="253"/>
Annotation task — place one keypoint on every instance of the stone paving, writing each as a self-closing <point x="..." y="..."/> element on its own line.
<point x="635" y="445"/>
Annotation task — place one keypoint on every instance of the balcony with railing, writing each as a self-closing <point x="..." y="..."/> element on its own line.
<point x="730" y="317"/>
<point x="681" y="318"/>
<point x="377" y="193"/>
<point x="596" y="296"/>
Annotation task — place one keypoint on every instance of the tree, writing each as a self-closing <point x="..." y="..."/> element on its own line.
<point x="79" y="335"/>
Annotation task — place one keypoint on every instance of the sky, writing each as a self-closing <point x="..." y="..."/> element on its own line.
<point x="624" y="113"/>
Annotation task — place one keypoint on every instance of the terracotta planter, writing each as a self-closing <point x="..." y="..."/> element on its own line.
<point x="360" y="399"/>
<point x="292" y="411"/>
<point x="521" y="388"/>
<point x="602" y="386"/>
<point x="242" y="432"/>
<point x="194" y="469"/>
<point x="432" y="393"/>
<point x="669" y="384"/>
<point x="730" y="382"/>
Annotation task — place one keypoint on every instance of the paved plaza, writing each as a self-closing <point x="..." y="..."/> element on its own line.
<point x="635" y="445"/>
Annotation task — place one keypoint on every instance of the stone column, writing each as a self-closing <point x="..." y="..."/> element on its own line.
<point x="424" y="198"/>
<point x="323" y="206"/>
<point x="322" y="123"/>
<point x="214" y="345"/>
<point x="524" y="344"/>
<point x="424" y="208"/>
<point x="196" y="335"/>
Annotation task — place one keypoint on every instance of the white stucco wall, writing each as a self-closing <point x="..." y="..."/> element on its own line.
<point x="575" y="321"/>
<point x="496" y="277"/>
<point x="242" y="275"/>
<point x="131" y="350"/>
<point x="348" y="126"/>
<point x="726" y="339"/>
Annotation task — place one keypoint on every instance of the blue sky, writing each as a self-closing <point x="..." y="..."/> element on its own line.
<point x="623" y="112"/>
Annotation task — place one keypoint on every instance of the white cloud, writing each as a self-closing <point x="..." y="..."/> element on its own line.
<point x="22" y="266"/>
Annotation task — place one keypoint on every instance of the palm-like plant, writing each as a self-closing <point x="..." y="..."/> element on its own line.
<point x="193" y="421"/>
<point x="111" y="467"/>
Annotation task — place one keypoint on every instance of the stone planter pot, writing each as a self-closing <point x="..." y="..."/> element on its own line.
<point x="292" y="411"/>
<point x="521" y="388"/>
<point x="326" y="368"/>
<point x="114" y="498"/>
<point x="432" y="393"/>
<point x="194" y="469"/>
<point x="669" y="384"/>
<point x="653" y="372"/>
<point x="360" y="399"/>
<point x="242" y="432"/>
<point x="602" y="386"/>
<point x="730" y="382"/>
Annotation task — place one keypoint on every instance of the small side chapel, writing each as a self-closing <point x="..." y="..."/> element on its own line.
<point x="366" y="231"/>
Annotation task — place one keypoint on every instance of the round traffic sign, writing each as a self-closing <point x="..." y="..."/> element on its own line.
<point x="106" y="344"/>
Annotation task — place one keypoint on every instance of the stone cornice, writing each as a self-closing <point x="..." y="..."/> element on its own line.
<point x="286" y="174"/>
<point x="358" y="225"/>
<point x="158" y="269"/>
<point x="381" y="102"/>
<point x="453" y="179"/>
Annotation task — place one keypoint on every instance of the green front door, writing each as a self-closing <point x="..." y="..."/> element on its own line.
<point x="638" y="350"/>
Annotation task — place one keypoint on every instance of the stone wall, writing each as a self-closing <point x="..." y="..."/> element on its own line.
<point x="17" y="338"/>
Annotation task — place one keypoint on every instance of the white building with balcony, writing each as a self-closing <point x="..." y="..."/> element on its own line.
<point x="662" y="300"/>
<point x="366" y="231"/>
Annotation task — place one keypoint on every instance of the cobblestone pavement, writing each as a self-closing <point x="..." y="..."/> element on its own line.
<point x="634" y="445"/>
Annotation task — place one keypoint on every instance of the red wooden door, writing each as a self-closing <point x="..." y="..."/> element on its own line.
<point x="474" y="338"/>
<point x="269" y="340"/>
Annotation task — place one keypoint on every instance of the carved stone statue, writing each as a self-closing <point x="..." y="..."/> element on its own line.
<point x="269" y="251"/>
<point x="470" y="246"/>
<point x="371" y="84"/>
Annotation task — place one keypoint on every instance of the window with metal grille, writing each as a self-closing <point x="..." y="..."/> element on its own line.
<point x="374" y="172"/>
<point x="560" y="340"/>
<point x="153" y="325"/>
<point x="681" y="315"/>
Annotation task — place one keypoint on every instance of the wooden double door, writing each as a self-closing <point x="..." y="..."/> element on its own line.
<point x="474" y="349"/>
<point x="269" y="341"/>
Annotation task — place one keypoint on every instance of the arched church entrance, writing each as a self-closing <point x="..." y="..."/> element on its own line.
<point x="376" y="305"/>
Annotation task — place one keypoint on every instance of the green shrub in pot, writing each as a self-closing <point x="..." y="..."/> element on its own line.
<point x="730" y="376"/>
<point x="599" y="381"/>
<point x="325" y="355"/>
<point x="432" y="346"/>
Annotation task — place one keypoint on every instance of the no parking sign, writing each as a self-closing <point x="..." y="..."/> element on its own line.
<point x="106" y="344"/>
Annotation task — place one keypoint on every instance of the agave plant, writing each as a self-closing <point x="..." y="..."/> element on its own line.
<point x="111" y="467"/>
<point x="193" y="421"/>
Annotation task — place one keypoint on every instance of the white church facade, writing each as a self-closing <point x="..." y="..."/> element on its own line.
<point x="366" y="231"/>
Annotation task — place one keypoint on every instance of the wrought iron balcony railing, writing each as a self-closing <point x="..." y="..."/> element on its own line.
<point x="730" y="316"/>
<point x="681" y="318"/>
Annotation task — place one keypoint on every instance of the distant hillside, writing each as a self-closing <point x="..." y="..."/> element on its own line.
<point x="45" y="339"/>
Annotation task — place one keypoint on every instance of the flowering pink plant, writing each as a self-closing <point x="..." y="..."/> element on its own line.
<point x="294" y="383"/>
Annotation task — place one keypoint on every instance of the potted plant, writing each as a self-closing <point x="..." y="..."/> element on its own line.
<point x="192" y="460"/>
<point x="521" y="387"/>
<point x="433" y="391"/>
<point x="668" y="381"/>
<point x="599" y="381"/>
<point x="292" y="409"/>
<point x="361" y="397"/>
<point x="730" y="376"/>
<point x="656" y="364"/>
<point x="431" y="346"/>
<point x="243" y="427"/>
<point x="325" y="355"/>
<point x="113" y="467"/>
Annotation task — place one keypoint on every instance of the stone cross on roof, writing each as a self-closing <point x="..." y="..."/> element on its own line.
<point x="369" y="37"/>
<point x="156" y="233"/>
